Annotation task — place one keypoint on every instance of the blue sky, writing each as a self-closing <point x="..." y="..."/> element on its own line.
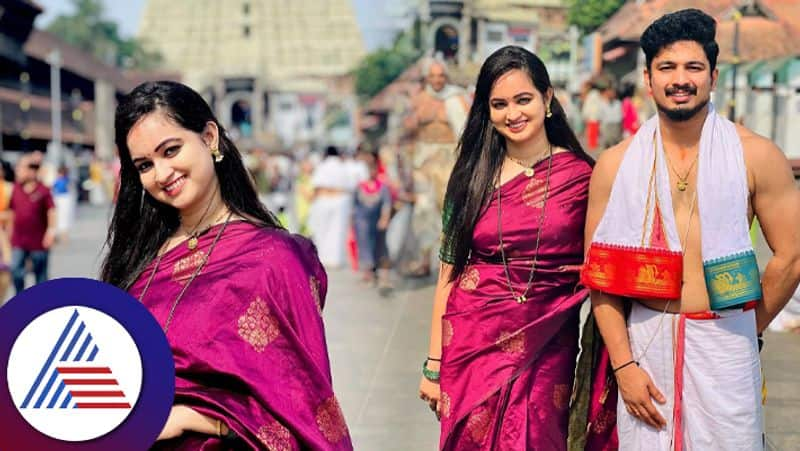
<point x="378" y="19"/>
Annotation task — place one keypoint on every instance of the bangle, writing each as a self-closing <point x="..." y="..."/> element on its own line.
<point x="624" y="365"/>
<point x="434" y="360"/>
<point x="219" y="428"/>
<point x="431" y="375"/>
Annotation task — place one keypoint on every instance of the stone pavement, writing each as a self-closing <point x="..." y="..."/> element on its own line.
<point x="377" y="346"/>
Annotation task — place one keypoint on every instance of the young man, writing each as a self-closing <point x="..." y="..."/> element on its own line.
<point x="33" y="222"/>
<point x="667" y="230"/>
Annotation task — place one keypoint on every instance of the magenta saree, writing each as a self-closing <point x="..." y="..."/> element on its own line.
<point x="248" y="340"/>
<point x="507" y="368"/>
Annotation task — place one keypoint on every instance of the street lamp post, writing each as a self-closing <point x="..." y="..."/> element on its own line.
<point x="54" y="150"/>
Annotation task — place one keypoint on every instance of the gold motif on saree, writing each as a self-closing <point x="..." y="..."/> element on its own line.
<point x="605" y="419"/>
<point x="478" y="425"/>
<point x="511" y="342"/>
<point x="257" y="326"/>
<point x="470" y="279"/>
<point x="275" y="437"/>
<point x="533" y="193"/>
<point x="330" y="420"/>
<point x="184" y="268"/>
<point x="447" y="332"/>
<point x="445" y="405"/>
<point x="314" y="284"/>
<point x="561" y="395"/>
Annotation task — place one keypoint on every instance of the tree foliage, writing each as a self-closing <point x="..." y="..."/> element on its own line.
<point x="88" y="29"/>
<point x="382" y="66"/>
<point x="588" y="15"/>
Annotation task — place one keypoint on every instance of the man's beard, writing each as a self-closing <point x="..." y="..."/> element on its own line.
<point x="682" y="114"/>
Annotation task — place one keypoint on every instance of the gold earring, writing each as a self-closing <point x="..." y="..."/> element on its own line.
<point x="549" y="113"/>
<point x="217" y="154"/>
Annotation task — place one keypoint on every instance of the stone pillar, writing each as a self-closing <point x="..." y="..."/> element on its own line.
<point x="257" y="108"/>
<point x="465" y="36"/>
<point x="104" y="105"/>
<point x="481" y="41"/>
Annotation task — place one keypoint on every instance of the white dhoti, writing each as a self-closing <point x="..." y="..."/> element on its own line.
<point x="329" y="222"/>
<point x="721" y="396"/>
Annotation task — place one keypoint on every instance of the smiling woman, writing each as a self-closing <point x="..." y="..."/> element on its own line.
<point x="504" y="332"/>
<point x="191" y="241"/>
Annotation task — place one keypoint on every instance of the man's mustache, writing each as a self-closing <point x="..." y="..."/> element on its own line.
<point x="683" y="88"/>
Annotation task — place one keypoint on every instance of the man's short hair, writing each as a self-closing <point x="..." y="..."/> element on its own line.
<point x="684" y="25"/>
<point x="332" y="151"/>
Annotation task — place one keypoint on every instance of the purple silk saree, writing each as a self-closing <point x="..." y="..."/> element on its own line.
<point x="507" y="368"/>
<point x="248" y="340"/>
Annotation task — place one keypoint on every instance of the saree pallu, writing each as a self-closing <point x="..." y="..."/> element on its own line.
<point x="507" y="367"/>
<point x="248" y="340"/>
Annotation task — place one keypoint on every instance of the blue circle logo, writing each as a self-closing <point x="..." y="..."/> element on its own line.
<point x="87" y="367"/>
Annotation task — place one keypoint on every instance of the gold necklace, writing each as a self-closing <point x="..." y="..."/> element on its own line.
<point x="523" y="297"/>
<point x="194" y="235"/>
<point x="191" y="279"/>
<point x="529" y="172"/>
<point x="683" y="182"/>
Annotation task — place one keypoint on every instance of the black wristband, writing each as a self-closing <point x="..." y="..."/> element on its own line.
<point x="434" y="360"/>
<point x="624" y="365"/>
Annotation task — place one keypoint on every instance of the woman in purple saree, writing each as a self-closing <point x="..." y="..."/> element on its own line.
<point x="506" y="312"/>
<point x="239" y="298"/>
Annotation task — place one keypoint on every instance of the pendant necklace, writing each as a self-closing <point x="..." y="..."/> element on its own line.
<point x="194" y="235"/>
<point x="683" y="181"/>
<point x="521" y="298"/>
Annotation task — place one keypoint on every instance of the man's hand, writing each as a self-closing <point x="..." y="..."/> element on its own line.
<point x="637" y="388"/>
<point x="49" y="238"/>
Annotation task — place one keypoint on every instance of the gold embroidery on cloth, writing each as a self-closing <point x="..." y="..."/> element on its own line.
<point x="511" y="342"/>
<point x="561" y="394"/>
<point x="275" y="437"/>
<point x="604" y="420"/>
<point x="533" y="193"/>
<point x="650" y="277"/>
<point x="331" y="420"/>
<point x="447" y="332"/>
<point x="184" y="268"/>
<point x="445" y="405"/>
<point x="469" y="281"/>
<point x="314" y="284"/>
<point x="257" y="326"/>
<point x="478" y="425"/>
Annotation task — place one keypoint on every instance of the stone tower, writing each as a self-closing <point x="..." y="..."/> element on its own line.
<point x="253" y="58"/>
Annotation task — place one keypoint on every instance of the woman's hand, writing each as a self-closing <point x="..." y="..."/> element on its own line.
<point x="176" y="423"/>
<point x="430" y="391"/>
<point x="185" y="419"/>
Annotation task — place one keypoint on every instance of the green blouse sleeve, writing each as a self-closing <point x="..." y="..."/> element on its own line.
<point x="447" y="248"/>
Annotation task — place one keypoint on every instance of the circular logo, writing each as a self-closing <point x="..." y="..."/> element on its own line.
<point x="87" y="368"/>
<point x="89" y="377"/>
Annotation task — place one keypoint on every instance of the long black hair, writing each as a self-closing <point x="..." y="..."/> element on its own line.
<point x="481" y="150"/>
<point x="140" y="224"/>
